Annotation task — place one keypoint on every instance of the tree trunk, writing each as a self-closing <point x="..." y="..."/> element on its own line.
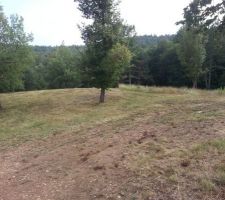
<point x="206" y="81"/>
<point x="210" y="80"/>
<point x="195" y="84"/>
<point x="130" y="82"/>
<point x="102" y="96"/>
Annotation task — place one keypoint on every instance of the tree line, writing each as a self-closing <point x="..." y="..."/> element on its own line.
<point x="187" y="59"/>
<point x="157" y="63"/>
<point x="194" y="57"/>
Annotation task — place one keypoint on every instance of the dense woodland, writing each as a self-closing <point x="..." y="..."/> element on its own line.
<point x="194" y="57"/>
<point x="155" y="62"/>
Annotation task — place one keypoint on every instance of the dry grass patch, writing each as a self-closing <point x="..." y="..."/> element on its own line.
<point x="159" y="143"/>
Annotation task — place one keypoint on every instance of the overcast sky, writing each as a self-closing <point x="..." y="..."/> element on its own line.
<point x="54" y="21"/>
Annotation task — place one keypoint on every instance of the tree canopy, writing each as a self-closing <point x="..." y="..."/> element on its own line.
<point x="14" y="52"/>
<point x="105" y="31"/>
<point x="194" y="55"/>
<point x="204" y="13"/>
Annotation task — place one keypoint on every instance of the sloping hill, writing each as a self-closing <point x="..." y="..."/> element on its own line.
<point x="143" y="143"/>
<point x="152" y="40"/>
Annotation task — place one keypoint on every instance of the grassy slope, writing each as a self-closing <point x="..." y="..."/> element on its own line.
<point x="29" y="115"/>
<point x="32" y="115"/>
<point x="40" y="113"/>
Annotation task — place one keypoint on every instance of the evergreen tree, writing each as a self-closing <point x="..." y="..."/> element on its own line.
<point x="104" y="34"/>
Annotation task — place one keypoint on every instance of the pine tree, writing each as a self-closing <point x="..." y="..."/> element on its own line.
<point x="101" y="36"/>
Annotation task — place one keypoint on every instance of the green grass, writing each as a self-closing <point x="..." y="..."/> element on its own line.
<point x="31" y="115"/>
<point x="206" y="185"/>
<point x="212" y="145"/>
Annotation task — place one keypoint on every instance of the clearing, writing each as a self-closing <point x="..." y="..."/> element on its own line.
<point x="142" y="144"/>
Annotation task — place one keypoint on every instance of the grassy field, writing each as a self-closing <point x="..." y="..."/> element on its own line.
<point x="170" y="142"/>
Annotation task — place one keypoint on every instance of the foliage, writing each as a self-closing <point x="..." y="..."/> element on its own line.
<point x="152" y="40"/>
<point x="61" y="69"/>
<point x="204" y="13"/>
<point x="114" y="64"/>
<point x="157" y="64"/>
<point x="15" y="54"/>
<point x="54" y="67"/>
<point x="35" y="78"/>
<point x="214" y="66"/>
<point x="139" y="72"/>
<point x="100" y="36"/>
<point x="165" y="65"/>
<point x="192" y="53"/>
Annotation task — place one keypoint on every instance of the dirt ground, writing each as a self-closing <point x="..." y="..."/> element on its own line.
<point x="97" y="165"/>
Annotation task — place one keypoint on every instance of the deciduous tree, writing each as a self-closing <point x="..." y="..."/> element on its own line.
<point x="191" y="53"/>
<point x="15" y="53"/>
<point x="205" y="13"/>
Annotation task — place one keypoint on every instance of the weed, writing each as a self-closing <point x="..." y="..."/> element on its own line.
<point x="206" y="185"/>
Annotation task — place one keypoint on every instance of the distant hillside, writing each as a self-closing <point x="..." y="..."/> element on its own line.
<point x="152" y="40"/>
<point x="144" y="40"/>
<point x="45" y="50"/>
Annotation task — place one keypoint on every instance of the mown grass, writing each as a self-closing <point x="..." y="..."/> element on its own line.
<point x="212" y="145"/>
<point x="212" y="152"/>
<point x="186" y="148"/>
<point x="30" y="115"/>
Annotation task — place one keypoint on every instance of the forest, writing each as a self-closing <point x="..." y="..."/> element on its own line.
<point x="194" y="57"/>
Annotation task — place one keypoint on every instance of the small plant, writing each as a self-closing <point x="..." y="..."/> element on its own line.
<point x="220" y="175"/>
<point x="221" y="91"/>
<point x="220" y="178"/>
<point x="173" y="178"/>
<point x="218" y="145"/>
<point x="207" y="185"/>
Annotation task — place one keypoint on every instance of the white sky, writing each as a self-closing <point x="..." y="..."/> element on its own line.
<point x="54" y="21"/>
